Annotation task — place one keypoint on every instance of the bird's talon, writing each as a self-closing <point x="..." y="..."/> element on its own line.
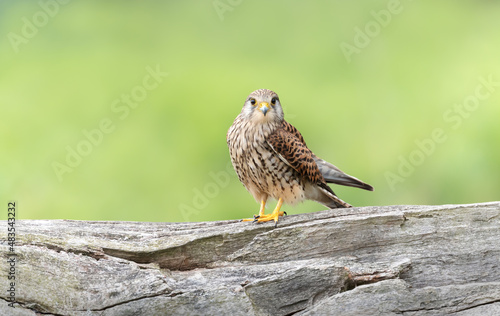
<point x="274" y="216"/>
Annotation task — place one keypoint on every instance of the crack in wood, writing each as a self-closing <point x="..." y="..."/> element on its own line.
<point x="128" y="301"/>
<point x="495" y="300"/>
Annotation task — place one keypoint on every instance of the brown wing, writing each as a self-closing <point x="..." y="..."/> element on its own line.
<point x="291" y="129"/>
<point x="330" y="173"/>
<point x="292" y="150"/>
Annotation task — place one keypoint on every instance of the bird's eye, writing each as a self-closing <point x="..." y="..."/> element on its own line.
<point x="253" y="102"/>
<point x="273" y="101"/>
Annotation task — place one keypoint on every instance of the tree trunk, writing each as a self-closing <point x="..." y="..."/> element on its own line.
<point x="408" y="260"/>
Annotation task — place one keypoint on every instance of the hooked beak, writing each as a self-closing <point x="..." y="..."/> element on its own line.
<point x="264" y="107"/>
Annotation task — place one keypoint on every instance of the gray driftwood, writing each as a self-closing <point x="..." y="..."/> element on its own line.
<point x="387" y="260"/>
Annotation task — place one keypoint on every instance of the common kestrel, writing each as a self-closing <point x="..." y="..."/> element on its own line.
<point x="272" y="160"/>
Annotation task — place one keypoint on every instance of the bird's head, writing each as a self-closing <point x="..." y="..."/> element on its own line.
<point x="263" y="106"/>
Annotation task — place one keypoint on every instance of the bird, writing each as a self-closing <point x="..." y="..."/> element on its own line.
<point x="272" y="160"/>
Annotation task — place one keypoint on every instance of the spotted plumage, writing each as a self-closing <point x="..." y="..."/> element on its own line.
<point x="272" y="159"/>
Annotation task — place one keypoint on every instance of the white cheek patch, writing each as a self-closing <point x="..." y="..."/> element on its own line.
<point x="247" y="110"/>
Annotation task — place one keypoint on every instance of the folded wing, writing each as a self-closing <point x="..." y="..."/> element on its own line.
<point x="330" y="173"/>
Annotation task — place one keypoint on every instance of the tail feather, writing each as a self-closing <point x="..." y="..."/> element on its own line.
<point x="322" y="193"/>
<point x="332" y="174"/>
<point x="335" y="202"/>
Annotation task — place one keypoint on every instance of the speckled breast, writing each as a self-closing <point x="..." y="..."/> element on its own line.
<point x="260" y="169"/>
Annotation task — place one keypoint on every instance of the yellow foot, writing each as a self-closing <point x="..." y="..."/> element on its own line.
<point x="265" y="217"/>
<point x="268" y="217"/>
<point x="261" y="212"/>
<point x="250" y="219"/>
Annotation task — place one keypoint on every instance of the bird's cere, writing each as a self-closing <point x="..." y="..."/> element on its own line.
<point x="264" y="107"/>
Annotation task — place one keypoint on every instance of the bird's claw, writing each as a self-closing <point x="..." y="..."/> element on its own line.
<point x="274" y="216"/>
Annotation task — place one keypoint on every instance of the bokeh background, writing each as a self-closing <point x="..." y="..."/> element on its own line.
<point x="363" y="81"/>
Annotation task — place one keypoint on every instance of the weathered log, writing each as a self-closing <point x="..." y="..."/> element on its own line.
<point x="408" y="260"/>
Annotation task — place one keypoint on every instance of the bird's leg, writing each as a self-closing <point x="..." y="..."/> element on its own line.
<point x="274" y="215"/>
<point x="261" y="212"/>
<point x="262" y="207"/>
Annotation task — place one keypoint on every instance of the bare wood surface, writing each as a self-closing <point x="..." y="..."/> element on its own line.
<point x="387" y="260"/>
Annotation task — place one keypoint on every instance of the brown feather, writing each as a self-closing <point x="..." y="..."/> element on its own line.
<point x="292" y="148"/>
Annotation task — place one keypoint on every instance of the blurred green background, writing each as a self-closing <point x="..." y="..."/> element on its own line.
<point x="363" y="81"/>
